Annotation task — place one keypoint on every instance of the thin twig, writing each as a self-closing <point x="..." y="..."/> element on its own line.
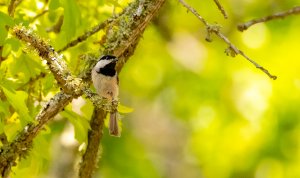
<point x="39" y="15"/>
<point x="232" y="49"/>
<point x="279" y="15"/>
<point x="57" y="26"/>
<point x="86" y="35"/>
<point x="12" y="7"/>
<point x="221" y="8"/>
<point x="42" y="12"/>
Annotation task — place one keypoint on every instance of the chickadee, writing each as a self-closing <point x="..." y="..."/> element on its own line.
<point x="106" y="82"/>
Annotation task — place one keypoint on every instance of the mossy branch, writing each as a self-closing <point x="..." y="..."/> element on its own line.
<point x="19" y="148"/>
<point x="121" y="42"/>
<point x="70" y="84"/>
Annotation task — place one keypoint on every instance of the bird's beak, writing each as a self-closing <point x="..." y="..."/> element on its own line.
<point x="115" y="60"/>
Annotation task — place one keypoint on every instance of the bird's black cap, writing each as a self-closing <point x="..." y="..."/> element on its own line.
<point x="107" y="57"/>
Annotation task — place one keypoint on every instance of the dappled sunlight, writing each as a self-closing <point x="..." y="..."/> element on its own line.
<point x="256" y="37"/>
<point x="195" y="57"/>
<point x="251" y="97"/>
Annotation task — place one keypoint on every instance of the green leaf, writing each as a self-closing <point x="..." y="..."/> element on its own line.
<point x="5" y="20"/>
<point x="124" y="109"/>
<point x="72" y="19"/>
<point x="10" y="44"/>
<point x="17" y="100"/>
<point x="87" y="109"/>
<point x="4" y="113"/>
<point x="25" y="67"/>
<point x="81" y="125"/>
<point x="48" y="84"/>
<point x="3" y="34"/>
<point x="54" y="4"/>
<point x="42" y="150"/>
<point x="11" y="130"/>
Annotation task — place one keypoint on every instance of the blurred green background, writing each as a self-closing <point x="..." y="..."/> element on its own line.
<point x="197" y="112"/>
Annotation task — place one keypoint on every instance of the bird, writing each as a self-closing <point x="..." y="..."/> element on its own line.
<point x="106" y="82"/>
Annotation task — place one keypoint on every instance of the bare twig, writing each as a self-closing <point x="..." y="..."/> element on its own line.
<point x="221" y="8"/>
<point x="42" y="11"/>
<point x="232" y="49"/>
<point x="86" y="35"/>
<point x="279" y="15"/>
<point x="39" y="15"/>
<point x="12" y="6"/>
<point x="57" y="26"/>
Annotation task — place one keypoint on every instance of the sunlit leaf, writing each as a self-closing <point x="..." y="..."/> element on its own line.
<point x="11" y="129"/>
<point x="72" y="19"/>
<point x="81" y="125"/>
<point x="87" y="109"/>
<point x="17" y="100"/>
<point x="11" y="44"/>
<point x="54" y="4"/>
<point x="48" y="82"/>
<point x="5" y="21"/>
<point x="25" y="67"/>
<point x="124" y="109"/>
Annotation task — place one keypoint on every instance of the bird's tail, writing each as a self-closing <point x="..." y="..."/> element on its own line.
<point x="113" y="125"/>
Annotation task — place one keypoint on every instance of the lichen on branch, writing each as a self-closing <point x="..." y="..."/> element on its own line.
<point x="70" y="84"/>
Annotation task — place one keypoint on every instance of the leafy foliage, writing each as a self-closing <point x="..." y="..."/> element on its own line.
<point x="195" y="110"/>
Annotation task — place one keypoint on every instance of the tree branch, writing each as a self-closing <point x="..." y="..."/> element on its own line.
<point x="221" y="8"/>
<point x="39" y="15"/>
<point x="74" y="87"/>
<point x="23" y="142"/>
<point x="232" y="50"/>
<point x="90" y="158"/>
<point x="279" y="15"/>
<point x="120" y="42"/>
<point x="12" y="7"/>
<point x="86" y="35"/>
<point x="57" y="65"/>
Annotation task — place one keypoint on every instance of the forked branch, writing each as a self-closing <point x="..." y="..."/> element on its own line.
<point x="232" y="50"/>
